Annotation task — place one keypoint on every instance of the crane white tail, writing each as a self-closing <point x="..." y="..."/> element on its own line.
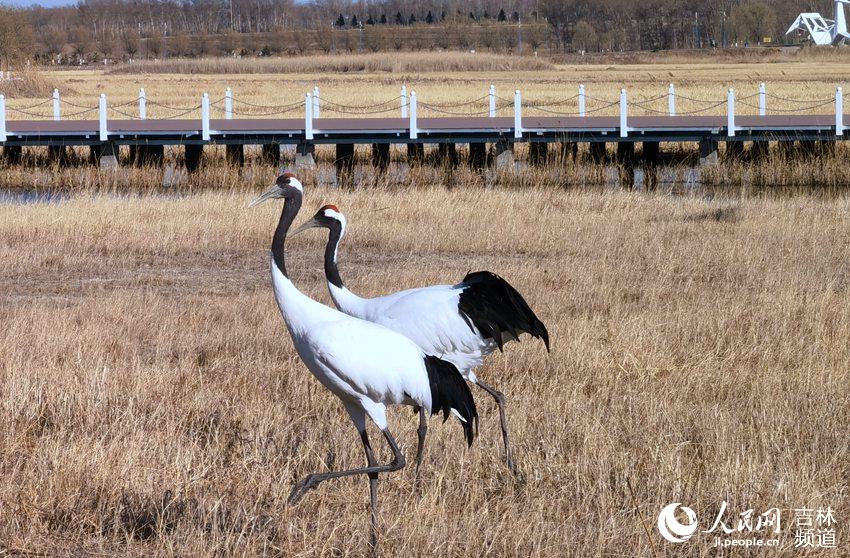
<point x="451" y="395"/>
<point x="497" y="310"/>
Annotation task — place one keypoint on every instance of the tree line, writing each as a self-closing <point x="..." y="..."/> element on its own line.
<point x="116" y="29"/>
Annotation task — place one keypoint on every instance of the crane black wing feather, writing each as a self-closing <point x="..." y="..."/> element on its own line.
<point x="497" y="309"/>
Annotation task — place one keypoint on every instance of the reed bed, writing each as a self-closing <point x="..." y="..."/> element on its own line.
<point x="352" y="63"/>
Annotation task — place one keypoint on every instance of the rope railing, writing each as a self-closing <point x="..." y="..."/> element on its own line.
<point x="372" y="106"/>
<point x="406" y="104"/>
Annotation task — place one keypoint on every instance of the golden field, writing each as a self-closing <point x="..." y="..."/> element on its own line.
<point x="153" y="405"/>
<point x="440" y="78"/>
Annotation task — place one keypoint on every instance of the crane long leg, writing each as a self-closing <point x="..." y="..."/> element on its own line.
<point x="420" y="447"/>
<point x="312" y="481"/>
<point x="503" y="419"/>
<point x="373" y="493"/>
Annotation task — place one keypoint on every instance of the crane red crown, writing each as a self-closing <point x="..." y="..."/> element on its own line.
<point x="288" y="175"/>
<point x="333" y="207"/>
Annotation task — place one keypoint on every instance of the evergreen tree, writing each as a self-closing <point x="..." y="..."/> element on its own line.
<point x="383" y="19"/>
<point x="354" y="22"/>
<point x="515" y="16"/>
<point x="429" y="19"/>
<point x="340" y="21"/>
<point x="398" y="19"/>
<point x="502" y="16"/>
<point x="412" y="19"/>
<point x="370" y="21"/>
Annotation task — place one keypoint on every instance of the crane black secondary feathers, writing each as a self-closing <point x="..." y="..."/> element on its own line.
<point x="367" y="366"/>
<point x="492" y="305"/>
<point x="461" y="323"/>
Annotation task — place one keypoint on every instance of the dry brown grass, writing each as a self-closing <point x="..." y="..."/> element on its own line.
<point x="351" y="63"/>
<point x="28" y="84"/>
<point x="152" y="404"/>
<point x="449" y="80"/>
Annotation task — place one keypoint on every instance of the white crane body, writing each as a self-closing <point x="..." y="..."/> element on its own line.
<point x="356" y="360"/>
<point x="429" y="317"/>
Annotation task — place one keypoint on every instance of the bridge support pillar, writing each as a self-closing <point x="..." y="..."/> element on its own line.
<point x="707" y="151"/>
<point x="12" y="154"/>
<point x="651" y="155"/>
<point x="808" y="148"/>
<point x="538" y="153"/>
<point x="626" y="160"/>
<point x="142" y="155"/>
<point x="786" y="148"/>
<point x="734" y="150"/>
<point x="381" y="156"/>
<point x="447" y="154"/>
<point x="415" y="153"/>
<point x="271" y="154"/>
<point x="305" y="157"/>
<point x="344" y="161"/>
<point x="759" y="150"/>
<point x="477" y="155"/>
<point x="569" y="150"/>
<point x="234" y="154"/>
<point x="504" y="154"/>
<point x="106" y="155"/>
<point x="597" y="151"/>
<point x="194" y="154"/>
<point x="826" y="147"/>
<point x="57" y="154"/>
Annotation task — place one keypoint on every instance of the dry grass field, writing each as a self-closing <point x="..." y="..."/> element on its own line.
<point x="439" y="79"/>
<point x="152" y="403"/>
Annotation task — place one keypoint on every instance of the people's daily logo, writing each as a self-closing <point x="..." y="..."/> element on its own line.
<point x="671" y="528"/>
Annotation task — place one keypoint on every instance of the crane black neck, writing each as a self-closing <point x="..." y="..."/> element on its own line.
<point x="331" y="269"/>
<point x="290" y="209"/>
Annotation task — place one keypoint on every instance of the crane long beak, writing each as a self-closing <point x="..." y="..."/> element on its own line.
<point x="270" y="194"/>
<point x="304" y="226"/>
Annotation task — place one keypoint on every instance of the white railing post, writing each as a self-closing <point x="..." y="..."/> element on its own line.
<point x="2" y="118"/>
<point x="671" y="100"/>
<point x="414" y="131"/>
<point x="517" y="114"/>
<point x="104" y="132"/>
<point x="730" y="112"/>
<point x="143" y="105"/>
<point x="228" y="104"/>
<point x="492" y="101"/>
<point x="316" y="101"/>
<point x="404" y="103"/>
<point x="624" y="114"/>
<point x="57" y="107"/>
<point x="308" y="117"/>
<point x="762" y="100"/>
<point x="205" y="117"/>
<point x="839" y="112"/>
<point x="581" y="100"/>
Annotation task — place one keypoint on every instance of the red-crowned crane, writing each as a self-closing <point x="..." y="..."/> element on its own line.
<point x="461" y="323"/>
<point x="366" y="365"/>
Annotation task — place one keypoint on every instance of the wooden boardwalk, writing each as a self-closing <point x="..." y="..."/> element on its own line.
<point x="428" y="130"/>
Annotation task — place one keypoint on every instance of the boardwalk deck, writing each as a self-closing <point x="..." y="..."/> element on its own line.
<point x="429" y="130"/>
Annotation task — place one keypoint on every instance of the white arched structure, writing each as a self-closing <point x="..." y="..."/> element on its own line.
<point x="823" y="31"/>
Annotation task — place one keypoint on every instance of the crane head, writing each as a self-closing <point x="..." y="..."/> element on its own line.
<point x="328" y="216"/>
<point x="286" y="186"/>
